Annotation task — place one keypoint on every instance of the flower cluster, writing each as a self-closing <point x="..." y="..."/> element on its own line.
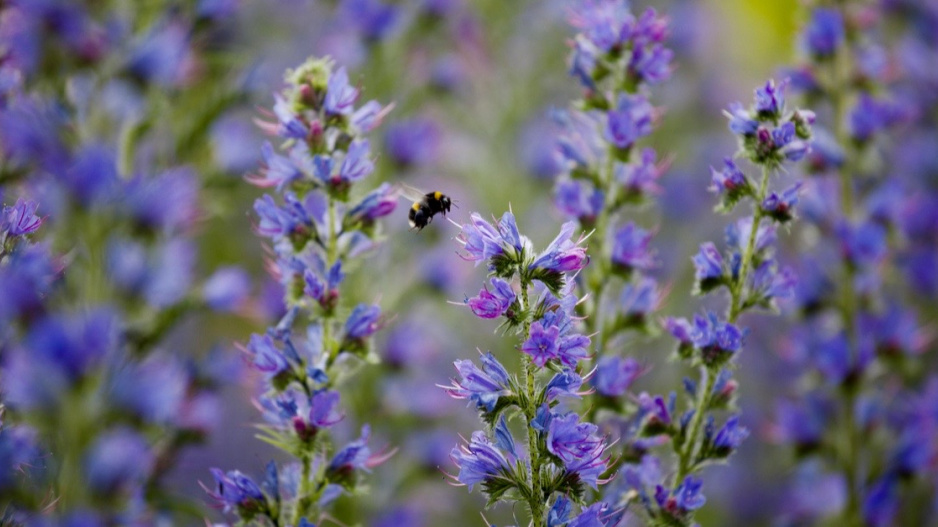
<point x="617" y="57"/>
<point x="853" y="330"/>
<point x="747" y="271"/>
<point x="317" y="227"/>
<point x="564" y="454"/>
<point x="98" y="264"/>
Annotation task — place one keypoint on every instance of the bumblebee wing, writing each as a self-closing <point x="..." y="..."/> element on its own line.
<point x="409" y="193"/>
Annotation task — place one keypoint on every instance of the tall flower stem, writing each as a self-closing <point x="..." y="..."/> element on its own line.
<point x="738" y="290"/>
<point x="840" y="74"/>
<point x="689" y="453"/>
<point x="536" y="502"/>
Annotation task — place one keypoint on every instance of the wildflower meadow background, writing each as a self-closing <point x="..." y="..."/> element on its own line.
<point x="668" y="263"/>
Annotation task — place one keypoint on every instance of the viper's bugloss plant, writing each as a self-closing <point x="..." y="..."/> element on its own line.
<point x="98" y="264"/>
<point x="562" y="455"/>
<point x="855" y="334"/>
<point x="319" y="225"/>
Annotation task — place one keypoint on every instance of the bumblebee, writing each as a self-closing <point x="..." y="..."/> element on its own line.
<point x="424" y="209"/>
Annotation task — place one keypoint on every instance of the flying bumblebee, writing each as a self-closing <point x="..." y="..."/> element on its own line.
<point x="426" y="206"/>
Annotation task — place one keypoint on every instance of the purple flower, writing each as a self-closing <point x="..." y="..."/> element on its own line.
<point x="354" y="456"/>
<point x="378" y="203"/>
<point x="363" y="322"/>
<point x="781" y="208"/>
<point x="871" y="116"/>
<point x="542" y="344"/>
<point x="630" y="248"/>
<point x="651" y="64"/>
<point x="118" y="461"/>
<point x="729" y="437"/>
<point x="862" y="245"/>
<point x="482" y="241"/>
<point x="559" y="513"/>
<point x="784" y="140"/>
<point x="802" y="424"/>
<point x="503" y="438"/>
<point x="162" y="56"/>
<point x="372" y="18"/>
<point x="578" y="446"/>
<point x="18" y="448"/>
<point x="768" y="283"/>
<point x="657" y="413"/>
<point x="708" y="267"/>
<point x="685" y="498"/>
<point x="730" y="182"/>
<point x="638" y="299"/>
<point x="737" y="235"/>
<point x="483" y="387"/>
<point x="153" y="390"/>
<point x="825" y="32"/>
<point x="579" y="141"/>
<point x="882" y="502"/>
<point x="583" y="62"/>
<point x="235" y="491"/>
<point x="356" y="165"/>
<point x="741" y="121"/>
<point x="226" y="289"/>
<point x="167" y="201"/>
<point x="413" y="142"/>
<point x="578" y="199"/>
<point x="770" y="99"/>
<point x="717" y="341"/>
<point x="266" y="356"/>
<point x="323" y="285"/>
<point x="602" y="22"/>
<point x="20" y="219"/>
<point x="614" y="375"/>
<point x="494" y="303"/>
<point x="639" y="178"/>
<point x="630" y="120"/>
<point x="562" y="255"/>
<point x="596" y="515"/>
<point x="340" y="96"/>
<point x="563" y="384"/>
<point x="479" y="461"/>
<point x="92" y="176"/>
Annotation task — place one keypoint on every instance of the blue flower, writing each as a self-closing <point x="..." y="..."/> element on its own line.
<point x="603" y="22"/>
<point x="267" y="357"/>
<point x="118" y="461"/>
<point x="363" y="322"/>
<point x="226" y="289"/>
<point x="235" y="491"/>
<point x="494" y="303"/>
<point x="708" y="267"/>
<point x="357" y="164"/>
<point x="559" y="513"/>
<point x="651" y="64"/>
<point x="354" y="456"/>
<point x="639" y="177"/>
<point x="862" y="245"/>
<point x="630" y="248"/>
<point x="614" y="375"/>
<point x="479" y="461"/>
<point x="717" y="341"/>
<point x="741" y="121"/>
<point x="160" y="57"/>
<point x="630" y="120"/>
<point x="730" y="182"/>
<point x="871" y="116"/>
<point x="340" y="96"/>
<point x="483" y="387"/>
<point x="503" y="438"/>
<point x="770" y="99"/>
<point x="153" y="390"/>
<point x="596" y="515"/>
<point x="563" y="384"/>
<point x="583" y="62"/>
<point x="542" y="343"/>
<point x="562" y="255"/>
<point x="737" y="235"/>
<point x="20" y="219"/>
<point x="372" y="18"/>
<point x="413" y="142"/>
<point x="376" y="204"/>
<point x="637" y="300"/>
<point x="578" y="199"/>
<point x="729" y="437"/>
<point x="825" y="32"/>
<point x="578" y="446"/>
<point x="781" y="208"/>
<point x="685" y="498"/>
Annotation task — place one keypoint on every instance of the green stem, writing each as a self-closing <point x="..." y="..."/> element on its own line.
<point x="688" y="454"/>
<point x="536" y="503"/>
<point x="736" y="303"/>
<point x="839" y="93"/>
